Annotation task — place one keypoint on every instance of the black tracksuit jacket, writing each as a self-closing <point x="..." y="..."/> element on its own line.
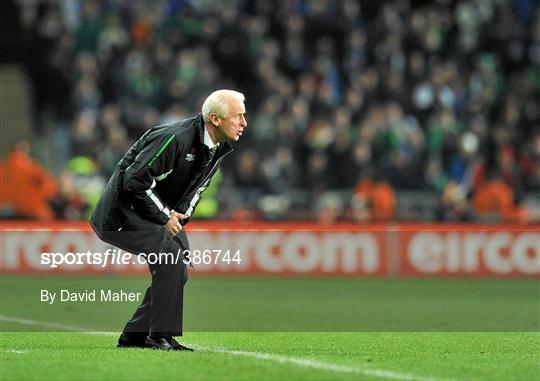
<point x="167" y="168"/>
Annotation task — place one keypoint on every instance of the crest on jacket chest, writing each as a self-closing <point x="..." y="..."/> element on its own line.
<point x="191" y="155"/>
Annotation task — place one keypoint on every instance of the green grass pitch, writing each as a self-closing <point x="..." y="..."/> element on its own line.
<point x="284" y="329"/>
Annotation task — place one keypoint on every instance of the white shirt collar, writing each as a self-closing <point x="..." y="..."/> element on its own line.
<point x="208" y="140"/>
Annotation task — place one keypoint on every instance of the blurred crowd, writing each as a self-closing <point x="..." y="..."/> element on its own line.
<point x="349" y="102"/>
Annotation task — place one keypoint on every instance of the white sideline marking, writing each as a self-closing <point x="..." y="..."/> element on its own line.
<point x="315" y="364"/>
<point x="62" y="327"/>
<point x="282" y="359"/>
<point x="15" y="351"/>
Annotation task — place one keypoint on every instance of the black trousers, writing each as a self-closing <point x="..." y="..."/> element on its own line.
<point x="161" y="311"/>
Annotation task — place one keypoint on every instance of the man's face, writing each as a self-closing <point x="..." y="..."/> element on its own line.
<point x="232" y="125"/>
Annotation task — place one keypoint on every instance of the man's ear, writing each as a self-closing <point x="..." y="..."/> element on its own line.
<point x="214" y="119"/>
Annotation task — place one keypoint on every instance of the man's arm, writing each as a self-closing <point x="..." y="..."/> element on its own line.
<point x="153" y="163"/>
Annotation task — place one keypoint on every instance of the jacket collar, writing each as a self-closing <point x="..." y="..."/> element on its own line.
<point x="227" y="147"/>
<point x="200" y="127"/>
<point x="208" y="140"/>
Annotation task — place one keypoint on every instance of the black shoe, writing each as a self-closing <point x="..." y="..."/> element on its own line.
<point x="161" y="343"/>
<point x="179" y="347"/>
<point x="165" y="344"/>
<point x="131" y="341"/>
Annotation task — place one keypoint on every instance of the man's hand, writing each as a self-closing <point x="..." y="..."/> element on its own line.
<point x="180" y="216"/>
<point x="173" y="225"/>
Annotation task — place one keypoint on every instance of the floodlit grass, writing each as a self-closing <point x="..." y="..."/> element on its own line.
<point x="277" y="356"/>
<point x="282" y="329"/>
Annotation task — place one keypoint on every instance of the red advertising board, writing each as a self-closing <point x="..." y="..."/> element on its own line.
<point x="501" y="253"/>
<point x="410" y="250"/>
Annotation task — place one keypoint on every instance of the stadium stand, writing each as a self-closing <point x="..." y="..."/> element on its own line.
<point x="335" y="90"/>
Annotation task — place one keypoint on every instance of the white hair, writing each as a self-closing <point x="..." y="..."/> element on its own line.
<point x="218" y="103"/>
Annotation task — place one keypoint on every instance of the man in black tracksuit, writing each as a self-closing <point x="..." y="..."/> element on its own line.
<point x="152" y="193"/>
